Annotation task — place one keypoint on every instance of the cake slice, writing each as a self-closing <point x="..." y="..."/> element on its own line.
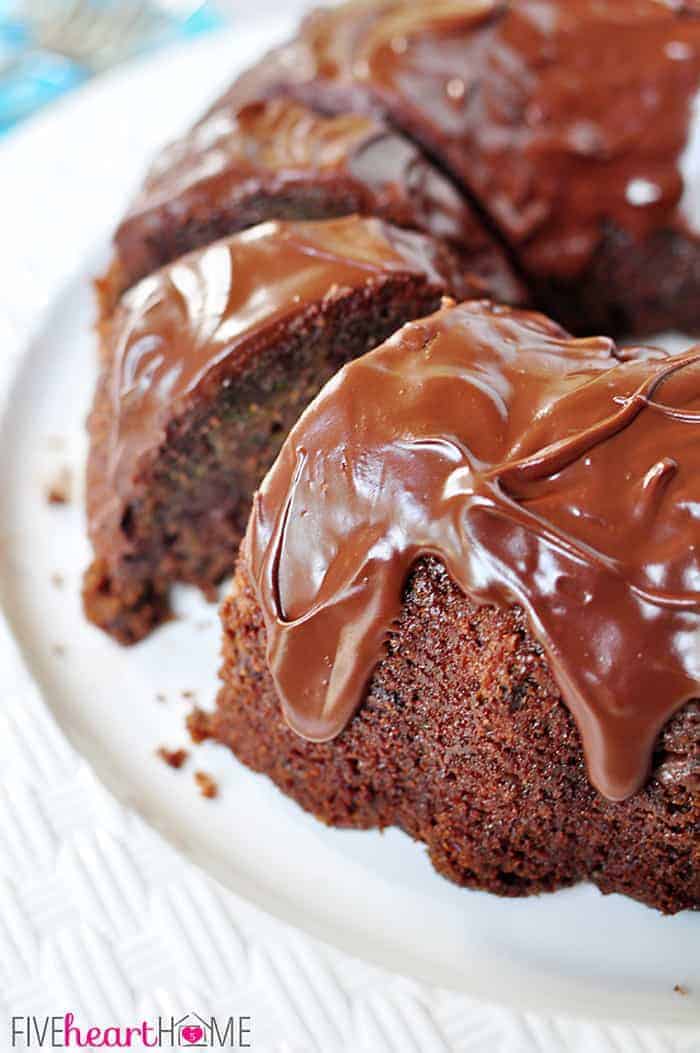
<point x="205" y="366"/>
<point x="278" y="159"/>
<point x="467" y="605"/>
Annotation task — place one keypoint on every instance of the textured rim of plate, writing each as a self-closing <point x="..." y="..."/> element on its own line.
<point x="38" y="281"/>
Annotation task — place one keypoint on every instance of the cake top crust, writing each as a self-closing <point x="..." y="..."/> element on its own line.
<point x="542" y="471"/>
<point x="562" y="117"/>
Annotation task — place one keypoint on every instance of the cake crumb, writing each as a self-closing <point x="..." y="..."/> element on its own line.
<point x="207" y="785"/>
<point x="160" y="697"/>
<point x="681" y="989"/>
<point x="189" y="695"/>
<point x="58" y="491"/>
<point x="174" y="758"/>
<point x="198" y="725"/>
<point x="57" y="580"/>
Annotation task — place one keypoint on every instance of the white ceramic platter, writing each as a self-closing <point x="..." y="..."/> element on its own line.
<point x="64" y="181"/>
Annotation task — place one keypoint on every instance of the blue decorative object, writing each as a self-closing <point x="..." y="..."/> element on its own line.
<point x="43" y="51"/>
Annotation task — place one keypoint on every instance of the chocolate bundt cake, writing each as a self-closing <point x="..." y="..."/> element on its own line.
<point x="468" y="599"/>
<point x="206" y="364"/>
<point x="571" y="124"/>
<point x="277" y="159"/>
<point x="467" y="604"/>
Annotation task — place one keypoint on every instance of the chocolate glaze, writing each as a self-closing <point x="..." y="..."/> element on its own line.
<point x="279" y="148"/>
<point x="563" y="118"/>
<point x="175" y="329"/>
<point x="541" y="472"/>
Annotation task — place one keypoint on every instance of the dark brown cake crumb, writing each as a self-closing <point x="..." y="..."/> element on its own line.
<point x="681" y="989"/>
<point x="208" y="786"/>
<point x="198" y="725"/>
<point x="175" y="758"/>
<point x="59" y="489"/>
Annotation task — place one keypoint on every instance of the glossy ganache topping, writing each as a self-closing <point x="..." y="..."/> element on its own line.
<point x="542" y="471"/>
<point x="562" y="117"/>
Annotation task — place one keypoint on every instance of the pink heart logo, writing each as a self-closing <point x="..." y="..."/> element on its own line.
<point x="192" y="1033"/>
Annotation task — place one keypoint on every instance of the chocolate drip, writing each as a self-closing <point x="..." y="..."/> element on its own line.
<point x="541" y="472"/>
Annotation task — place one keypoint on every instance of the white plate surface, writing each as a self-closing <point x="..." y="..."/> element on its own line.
<point x="369" y="894"/>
